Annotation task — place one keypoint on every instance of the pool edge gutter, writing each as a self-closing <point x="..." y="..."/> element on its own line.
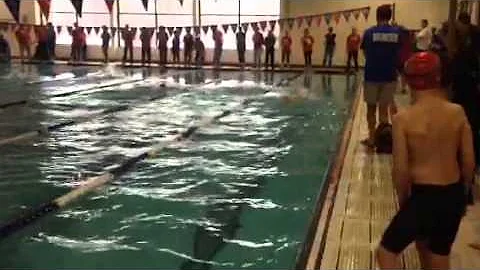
<point x="326" y="198"/>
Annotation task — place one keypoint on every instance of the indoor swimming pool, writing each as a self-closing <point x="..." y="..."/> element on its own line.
<point x="238" y="193"/>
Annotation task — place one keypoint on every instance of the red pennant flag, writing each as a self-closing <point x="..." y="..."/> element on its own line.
<point x="145" y="4"/>
<point x="328" y="18"/>
<point x="113" y="30"/>
<point x="14" y="8"/>
<point x="245" y="27"/>
<point x="77" y="4"/>
<point x="263" y="25"/>
<point x="59" y="29"/>
<point x="337" y="16"/>
<point x="299" y="22"/>
<point x="96" y="29"/>
<point x="366" y="12"/>
<point x="69" y="29"/>
<point x="44" y="7"/>
<point x="170" y="30"/>
<point x="281" y="23"/>
<point x="272" y="24"/>
<point x="356" y="14"/>
<point x="225" y="28"/>
<point x="89" y="30"/>
<point x="346" y="15"/>
<point x="205" y="29"/>
<point x="234" y="27"/>
<point x="309" y="20"/>
<point x="290" y="23"/>
<point x="253" y="25"/>
<point x="109" y="4"/>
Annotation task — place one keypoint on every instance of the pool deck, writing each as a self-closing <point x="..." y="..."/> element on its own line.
<point x="362" y="202"/>
<point x="226" y="67"/>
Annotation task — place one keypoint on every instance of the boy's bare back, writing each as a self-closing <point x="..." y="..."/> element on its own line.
<point x="432" y="142"/>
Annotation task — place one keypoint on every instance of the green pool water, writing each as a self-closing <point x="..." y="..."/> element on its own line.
<point x="238" y="194"/>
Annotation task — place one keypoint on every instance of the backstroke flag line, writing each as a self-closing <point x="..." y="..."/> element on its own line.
<point x="14" y="8"/>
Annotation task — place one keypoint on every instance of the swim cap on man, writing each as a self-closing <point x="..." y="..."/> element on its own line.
<point x="423" y="71"/>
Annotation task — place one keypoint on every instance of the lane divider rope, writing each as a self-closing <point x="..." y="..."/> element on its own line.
<point x="92" y="183"/>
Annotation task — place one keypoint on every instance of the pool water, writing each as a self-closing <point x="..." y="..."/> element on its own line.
<point x="238" y="194"/>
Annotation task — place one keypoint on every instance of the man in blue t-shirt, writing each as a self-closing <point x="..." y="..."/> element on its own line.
<point x="381" y="45"/>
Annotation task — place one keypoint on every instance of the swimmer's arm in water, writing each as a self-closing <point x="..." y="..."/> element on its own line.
<point x="400" y="173"/>
<point x="466" y="150"/>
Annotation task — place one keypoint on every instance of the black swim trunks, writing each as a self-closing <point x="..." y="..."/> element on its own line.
<point x="431" y="214"/>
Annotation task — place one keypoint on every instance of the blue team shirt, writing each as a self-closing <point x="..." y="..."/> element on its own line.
<point x="381" y="45"/>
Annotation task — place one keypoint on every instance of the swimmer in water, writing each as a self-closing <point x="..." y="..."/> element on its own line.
<point x="433" y="169"/>
<point x="300" y="94"/>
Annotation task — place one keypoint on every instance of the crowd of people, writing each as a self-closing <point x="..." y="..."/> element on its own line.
<point x="435" y="140"/>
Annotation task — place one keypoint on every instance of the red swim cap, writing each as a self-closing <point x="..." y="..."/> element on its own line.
<point x="423" y="71"/>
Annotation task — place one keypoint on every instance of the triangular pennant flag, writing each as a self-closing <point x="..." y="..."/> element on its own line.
<point x="77" y="4"/>
<point x="113" y="30"/>
<point x="366" y="12"/>
<point x="356" y="14"/>
<point x="109" y="4"/>
<point x="225" y="28"/>
<point x="181" y="2"/>
<point x="346" y="15"/>
<point x="328" y="18"/>
<point x="299" y="22"/>
<point x="145" y="4"/>
<point x="272" y="24"/>
<point x="213" y="28"/>
<point x="234" y="27"/>
<point x="70" y="30"/>
<point x="290" y="23"/>
<point x="59" y="29"/>
<point x="309" y="20"/>
<point x="245" y="27"/>
<point x="337" y="16"/>
<point x="196" y="29"/>
<point x="205" y="29"/>
<point x="188" y="29"/>
<point x="281" y="23"/>
<point x="180" y="29"/>
<point x="89" y="30"/>
<point x="170" y="30"/>
<point x="96" y="29"/>
<point x="134" y="31"/>
<point x="263" y="25"/>
<point x="44" y="7"/>
<point x="253" y="25"/>
<point x="14" y="8"/>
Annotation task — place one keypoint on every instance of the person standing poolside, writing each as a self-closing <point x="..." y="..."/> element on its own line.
<point x="24" y="42"/>
<point x="307" y="44"/>
<point x="176" y="47"/>
<point x="217" y="51"/>
<point x="146" y="38"/>
<point x="258" y="42"/>
<point x="51" y="41"/>
<point x="433" y="167"/>
<point x="329" y="47"/>
<point x="270" y="41"/>
<point x="5" y="52"/>
<point x="381" y="45"/>
<point x="76" y="49"/>
<point x="286" y="49"/>
<point x="199" y="51"/>
<point x="188" y="42"/>
<point x="105" y="43"/>
<point x="83" y="45"/>
<point x="353" y="46"/>
<point x="241" y="47"/>
<point x="127" y="36"/>
<point x="162" y="38"/>
<point x="424" y="37"/>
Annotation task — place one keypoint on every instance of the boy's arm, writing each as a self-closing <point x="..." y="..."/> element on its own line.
<point x="400" y="173"/>
<point x="466" y="152"/>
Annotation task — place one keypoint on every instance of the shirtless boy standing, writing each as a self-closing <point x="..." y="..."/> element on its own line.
<point x="433" y="166"/>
